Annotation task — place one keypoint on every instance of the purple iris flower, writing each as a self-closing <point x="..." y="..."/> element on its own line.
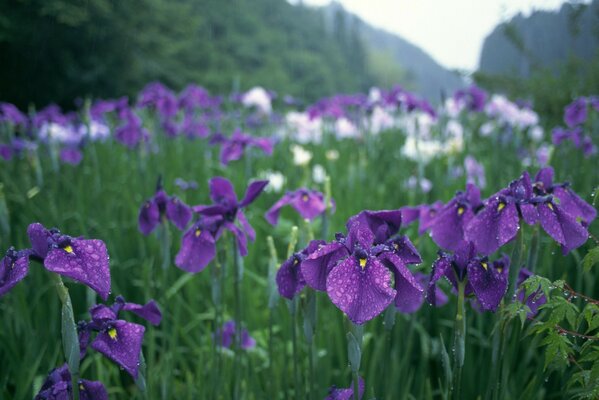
<point x="356" y="271"/>
<point x="6" y="152"/>
<point x="486" y="281"/>
<point x="160" y="97"/>
<point x="308" y="203"/>
<point x="118" y="339"/>
<point x="228" y="333"/>
<point x="194" y="97"/>
<point x="498" y="222"/>
<point x="447" y="229"/>
<point x="58" y="386"/>
<point x="535" y="299"/>
<point x="575" y="113"/>
<point x="424" y="213"/>
<point x="83" y="260"/>
<point x="10" y="113"/>
<point x="232" y="148"/>
<point x="160" y="207"/>
<point x="290" y="280"/>
<point x="227" y="209"/>
<point x="473" y="98"/>
<point x="440" y="297"/>
<point x="198" y="245"/>
<point x="336" y="393"/>
<point x="71" y="155"/>
<point x="131" y="132"/>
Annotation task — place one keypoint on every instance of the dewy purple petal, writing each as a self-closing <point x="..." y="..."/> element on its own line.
<point x="39" y="238"/>
<point x="149" y="217"/>
<point x="83" y="260"/>
<point x="13" y="268"/>
<point x="198" y="248"/>
<point x="346" y="394"/>
<point x="253" y="191"/>
<point x="123" y="346"/>
<point x="149" y="311"/>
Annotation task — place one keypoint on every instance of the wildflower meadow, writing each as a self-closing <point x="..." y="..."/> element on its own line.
<point x="246" y="245"/>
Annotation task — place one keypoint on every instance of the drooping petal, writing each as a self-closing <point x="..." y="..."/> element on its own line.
<point x="84" y="260"/>
<point x="290" y="280"/>
<point x="317" y="266"/>
<point x="308" y="204"/>
<point x="383" y="224"/>
<point x="39" y="236"/>
<point x="178" y="212"/>
<point x="198" y="248"/>
<point x="410" y="292"/>
<point x="405" y="250"/>
<point x="241" y="239"/>
<point x="409" y="214"/>
<point x="572" y="204"/>
<point x="245" y="225"/>
<point x="222" y="191"/>
<point x="231" y="151"/>
<point x="545" y="176"/>
<point x="149" y="217"/>
<point x="92" y="390"/>
<point x="428" y="214"/>
<point x="441" y="267"/>
<point x="254" y="189"/>
<point x="121" y="342"/>
<point x="101" y="313"/>
<point x="272" y="215"/>
<point x="13" y="268"/>
<point x="494" y="226"/>
<point x="562" y="227"/>
<point x="489" y="285"/>
<point x="448" y="228"/>
<point x="361" y="293"/>
<point x="149" y="311"/>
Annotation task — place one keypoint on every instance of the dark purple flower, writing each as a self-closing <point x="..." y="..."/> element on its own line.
<point x="131" y="132"/>
<point x="198" y="246"/>
<point x="162" y="206"/>
<point x="290" y="280"/>
<point x="486" y="281"/>
<point x="71" y="155"/>
<point x="357" y="272"/>
<point x="424" y="213"/>
<point x="308" y="203"/>
<point x="160" y="97"/>
<point x="58" y="386"/>
<point x="118" y="339"/>
<point x="194" y="97"/>
<point x="227" y="334"/>
<point x="336" y="393"/>
<point x="447" y="229"/>
<point x="232" y="148"/>
<point x="14" y="266"/>
<point x="10" y="113"/>
<point x="83" y="260"/>
<point x="576" y="112"/>
<point x="230" y="210"/>
<point x="535" y="299"/>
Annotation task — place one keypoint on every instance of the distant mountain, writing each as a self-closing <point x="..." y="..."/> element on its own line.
<point x="543" y="39"/>
<point x="392" y="59"/>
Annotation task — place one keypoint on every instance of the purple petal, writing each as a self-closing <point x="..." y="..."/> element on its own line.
<point x="92" y="390"/>
<point x="448" y="228"/>
<point x="359" y="235"/>
<point x="272" y="215"/>
<point x="178" y="212"/>
<point x="149" y="311"/>
<point x="121" y="342"/>
<point x="382" y="224"/>
<point x="253" y="191"/>
<point x="309" y="204"/>
<point x="198" y="248"/>
<point x="249" y="231"/>
<point x="149" y="217"/>
<point x="409" y="214"/>
<point x="101" y="313"/>
<point x="346" y="394"/>
<point x="410" y="292"/>
<point x="210" y="210"/>
<point x="38" y="236"/>
<point x="488" y="284"/>
<point x="494" y="226"/>
<point x="317" y="266"/>
<point x="222" y="191"/>
<point x="247" y="342"/>
<point x="12" y="270"/>
<point x="231" y="151"/>
<point x="361" y="293"/>
<point x="562" y="227"/>
<point x="572" y="204"/>
<point x="405" y="250"/>
<point x="85" y="261"/>
<point x="545" y="176"/>
<point x="290" y="280"/>
<point x="441" y="267"/>
<point x="241" y="239"/>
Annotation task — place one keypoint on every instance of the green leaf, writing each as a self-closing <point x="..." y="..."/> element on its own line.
<point x="354" y="353"/>
<point x="590" y="259"/>
<point x="70" y="339"/>
<point x="141" y="375"/>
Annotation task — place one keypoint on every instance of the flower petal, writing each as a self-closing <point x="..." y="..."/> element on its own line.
<point x="494" y="226"/>
<point x="38" y="236"/>
<point x="253" y="191"/>
<point x="149" y="217"/>
<point x="317" y="266"/>
<point x="149" y="311"/>
<point x="121" y="343"/>
<point x="12" y="271"/>
<point x="198" y="248"/>
<point x="178" y="212"/>
<point x="222" y="191"/>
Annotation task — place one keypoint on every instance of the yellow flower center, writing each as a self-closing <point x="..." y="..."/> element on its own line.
<point x="68" y="249"/>
<point x="550" y="206"/>
<point x="485" y="265"/>
<point x="198" y="232"/>
<point x="461" y="210"/>
<point x="500" y="207"/>
<point x="363" y="263"/>
<point x="112" y="333"/>
<point x="305" y="197"/>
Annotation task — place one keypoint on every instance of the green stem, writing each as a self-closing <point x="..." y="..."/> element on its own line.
<point x="238" y="318"/>
<point x="459" y="344"/>
<point x="70" y="338"/>
<point x="354" y="355"/>
<point x="296" y="377"/>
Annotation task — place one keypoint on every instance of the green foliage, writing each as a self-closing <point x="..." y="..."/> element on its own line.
<point x="57" y="51"/>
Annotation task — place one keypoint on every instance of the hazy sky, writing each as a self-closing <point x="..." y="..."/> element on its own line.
<point x="451" y="31"/>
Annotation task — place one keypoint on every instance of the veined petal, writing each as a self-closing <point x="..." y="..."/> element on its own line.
<point x="361" y="293"/>
<point x="12" y="270"/>
<point x="198" y="248"/>
<point x="290" y="280"/>
<point x="317" y="266"/>
<point x="562" y="227"/>
<point x="441" y="267"/>
<point x="489" y="285"/>
<point x="178" y="212"/>
<point x="84" y="260"/>
<point x="121" y="342"/>
<point x="494" y="226"/>
<point x="410" y="292"/>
